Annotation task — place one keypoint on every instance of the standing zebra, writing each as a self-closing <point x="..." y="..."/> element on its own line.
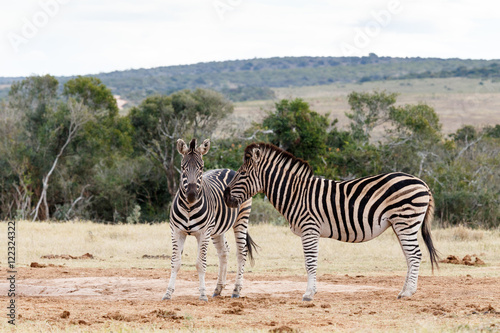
<point x="351" y="211"/>
<point x="198" y="209"/>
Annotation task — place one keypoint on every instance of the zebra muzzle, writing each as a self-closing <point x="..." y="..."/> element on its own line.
<point x="230" y="201"/>
<point x="191" y="193"/>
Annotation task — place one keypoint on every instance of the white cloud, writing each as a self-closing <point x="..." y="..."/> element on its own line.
<point x="98" y="36"/>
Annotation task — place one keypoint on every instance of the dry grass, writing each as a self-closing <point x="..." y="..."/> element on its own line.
<point x="122" y="246"/>
<point x="462" y="233"/>
<point x="112" y="245"/>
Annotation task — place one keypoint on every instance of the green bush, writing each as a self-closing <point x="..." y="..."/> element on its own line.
<point x="468" y="208"/>
<point x="126" y="168"/>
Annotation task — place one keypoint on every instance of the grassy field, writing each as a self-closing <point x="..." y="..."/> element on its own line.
<point x="118" y="252"/>
<point x="457" y="101"/>
<point x="123" y="246"/>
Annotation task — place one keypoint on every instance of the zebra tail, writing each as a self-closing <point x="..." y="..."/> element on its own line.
<point x="426" y="233"/>
<point x="251" y="247"/>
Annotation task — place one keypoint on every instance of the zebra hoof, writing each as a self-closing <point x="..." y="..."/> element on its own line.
<point x="218" y="290"/>
<point x="236" y="291"/>
<point x="166" y="297"/>
<point x="204" y="298"/>
<point x="307" y="298"/>
<point x="405" y="294"/>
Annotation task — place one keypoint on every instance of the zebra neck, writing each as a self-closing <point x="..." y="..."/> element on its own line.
<point x="285" y="188"/>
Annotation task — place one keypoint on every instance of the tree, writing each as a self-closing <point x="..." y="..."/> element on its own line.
<point x="97" y="164"/>
<point x="493" y="131"/>
<point x="91" y="92"/>
<point x="34" y="103"/>
<point x="297" y="129"/>
<point x="160" y="120"/>
<point x="15" y="194"/>
<point x="53" y="143"/>
<point x="367" y="111"/>
<point x="106" y="131"/>
<point x="33" y="95"/>
<point x="204" y="109"/>
<point x="417" y="122"/>
<point x="88" y="101"/>
<point x="77" y="116"/>
<point x="466" y="178"/>
<point x="415" y="134"/>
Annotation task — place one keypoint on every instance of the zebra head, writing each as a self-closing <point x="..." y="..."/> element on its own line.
<point x="246" y="183"/>
<point x="192" y="168"/>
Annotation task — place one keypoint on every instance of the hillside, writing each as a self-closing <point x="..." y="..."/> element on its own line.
<point x="458" y="101"/>
<point x="242" y="80"/>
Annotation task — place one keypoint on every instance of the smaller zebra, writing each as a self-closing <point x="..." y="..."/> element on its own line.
<point x="198" y="209"/>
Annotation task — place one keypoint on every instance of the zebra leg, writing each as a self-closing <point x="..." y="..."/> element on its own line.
<point x="240" y="235"/>
<point x="310" y="242"/>
<point x="178" y="240"/>
<point x="222" y="251"/>
<point x="201" y="262"/>
<point x="407" y="237"/>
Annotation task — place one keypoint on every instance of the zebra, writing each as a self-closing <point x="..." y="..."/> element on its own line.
<point x="198" y="209"/>
<point x="352" y="211"/>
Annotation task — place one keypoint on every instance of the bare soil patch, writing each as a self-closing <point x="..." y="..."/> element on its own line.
<point x="95" y="298"/>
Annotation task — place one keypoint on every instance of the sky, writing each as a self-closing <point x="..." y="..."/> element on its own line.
<point x="70" y="37"/>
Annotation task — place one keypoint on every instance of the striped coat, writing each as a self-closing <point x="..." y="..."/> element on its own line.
<point x="198" y="210"/>
<point x="351" y="211"/>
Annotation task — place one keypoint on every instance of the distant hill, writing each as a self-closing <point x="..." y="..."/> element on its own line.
<point x="251" y="79"/>
<point x="490" y="71"/>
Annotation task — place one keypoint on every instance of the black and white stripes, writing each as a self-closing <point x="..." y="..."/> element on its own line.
<point x="198" y="209"/>
<point x="351" y="211"/>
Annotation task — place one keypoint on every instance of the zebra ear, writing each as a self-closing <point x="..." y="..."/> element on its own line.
<point x="256" y="155"/>
<point x="182" y="147"/>
<point x="204" y="147"/>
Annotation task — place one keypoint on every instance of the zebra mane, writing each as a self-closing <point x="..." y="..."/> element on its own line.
<point x="192" y="145"/>
<point x="282" y="153"/>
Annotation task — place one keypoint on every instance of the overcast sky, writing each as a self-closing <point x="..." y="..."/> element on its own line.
<point x="68" y="37"/>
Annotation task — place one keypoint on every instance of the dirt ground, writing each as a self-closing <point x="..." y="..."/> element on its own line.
<point x="96" y="299"/>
